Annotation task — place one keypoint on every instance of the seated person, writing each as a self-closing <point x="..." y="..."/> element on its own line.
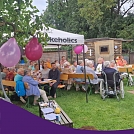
<point x="99" y="67"/>
<point x="10" y="77"/>
<point x="110" y="72"/>
<point x="96" y="80"/>
<point x="41" y="64"/>
<point x="10" y="74"/>
<point x="36" y="73"/>
<point x="79" y="70"/>
<point x="74" y="66"/>
<point x="18" y="79"/>
<point x="57" y="63"/>
<point x="63" y="60"/>
<point x="22" y="61"/>
<point x="67" y="70"/>
<point x="121" y="61"/>
<point x="113" y="65"/>
<point x="48" y="63"/>
<point x="33" y="88"/>
<point x="45" y="71"/>
<point x="54" y="74"/>
<point x="90" y="64"/>
<point x="31" y="66"/>
<point x="3" y="74"/>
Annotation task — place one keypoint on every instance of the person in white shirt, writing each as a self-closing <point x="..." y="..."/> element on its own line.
<point x="99" y="67"/>
<point x="74" y="66"/>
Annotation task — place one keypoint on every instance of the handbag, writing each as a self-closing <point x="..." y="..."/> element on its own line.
<point x="26" y="85"/>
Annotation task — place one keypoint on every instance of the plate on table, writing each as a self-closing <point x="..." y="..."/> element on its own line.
<point x="47" y="79"/>
<point x="47" y="110"/>
<point x="50" y="117"/>
<point x="97" y="72"/>
<point x="44" y="104"/>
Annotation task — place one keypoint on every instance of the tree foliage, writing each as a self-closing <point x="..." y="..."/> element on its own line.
<point x="92" y="18"/>
<point x="19" y="19"/>
<point x="65" y="15"/>
<point x="105" y="15"/>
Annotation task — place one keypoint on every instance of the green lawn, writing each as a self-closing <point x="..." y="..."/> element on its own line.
<point x="103" y="115"/>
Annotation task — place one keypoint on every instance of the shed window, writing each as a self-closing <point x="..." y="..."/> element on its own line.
<point x="104" y="49"/>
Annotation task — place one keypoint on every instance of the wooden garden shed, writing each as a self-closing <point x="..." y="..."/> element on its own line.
<point x="108" y="48"/>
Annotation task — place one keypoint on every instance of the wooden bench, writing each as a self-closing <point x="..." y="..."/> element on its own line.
<point x="82" y="76"/>
<point x="65" y="120"/>
<point x="127" y="70"/>
<point x="63" y="77"/>
<point x="9" y="84"/>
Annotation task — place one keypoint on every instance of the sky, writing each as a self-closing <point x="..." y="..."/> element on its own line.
<point x="40" y="4"/>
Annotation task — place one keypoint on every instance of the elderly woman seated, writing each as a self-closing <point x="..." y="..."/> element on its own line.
<point x="33" y="88"/>
<point x="67" y="70"/>
<point x="113" y="64"/>
<point x="20" y="90"/>
<point x="90" y="70"/>
<point x="74" y="66"/>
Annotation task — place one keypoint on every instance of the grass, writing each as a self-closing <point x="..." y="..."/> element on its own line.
<point x="103" y="115"/>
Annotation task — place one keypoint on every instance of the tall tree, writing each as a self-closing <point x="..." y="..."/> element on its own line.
<point x="65" y="15"/>
<point x="19" y="19"/>
<point x="105" y="15"/>
<point x="127" y="31"/>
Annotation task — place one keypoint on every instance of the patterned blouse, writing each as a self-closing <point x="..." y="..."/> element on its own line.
<point x="37" y="74"/>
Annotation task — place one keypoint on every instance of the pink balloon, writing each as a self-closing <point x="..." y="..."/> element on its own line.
<point x="78" y="49"/>
<point x="33" y="50"/>
<point x="10" y="53"/>
<point x="85" y="49"/>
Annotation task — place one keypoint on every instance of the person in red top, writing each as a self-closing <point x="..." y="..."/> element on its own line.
<point x="121" y="61"/>
<point x="10" y="74"/>
<point x="10" y="77"/>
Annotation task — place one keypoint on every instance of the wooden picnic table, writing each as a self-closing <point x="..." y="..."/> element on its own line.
<point x="65" y="120"/>
<point x="46" y="81"/>
<point x="125" y="69"/>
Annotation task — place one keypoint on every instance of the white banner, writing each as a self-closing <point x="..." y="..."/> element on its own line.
<point x="61" y="37"/>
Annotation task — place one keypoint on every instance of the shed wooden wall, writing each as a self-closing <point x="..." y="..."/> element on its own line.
<point x="118" y="51"/>
<point x="95" y="50"/>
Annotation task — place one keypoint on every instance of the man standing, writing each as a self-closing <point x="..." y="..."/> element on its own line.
<point x="54" y="74"/>
<point x="63" y="60"/>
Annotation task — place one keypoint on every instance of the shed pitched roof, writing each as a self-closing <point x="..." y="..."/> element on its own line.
<point x="106" y="38"/>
